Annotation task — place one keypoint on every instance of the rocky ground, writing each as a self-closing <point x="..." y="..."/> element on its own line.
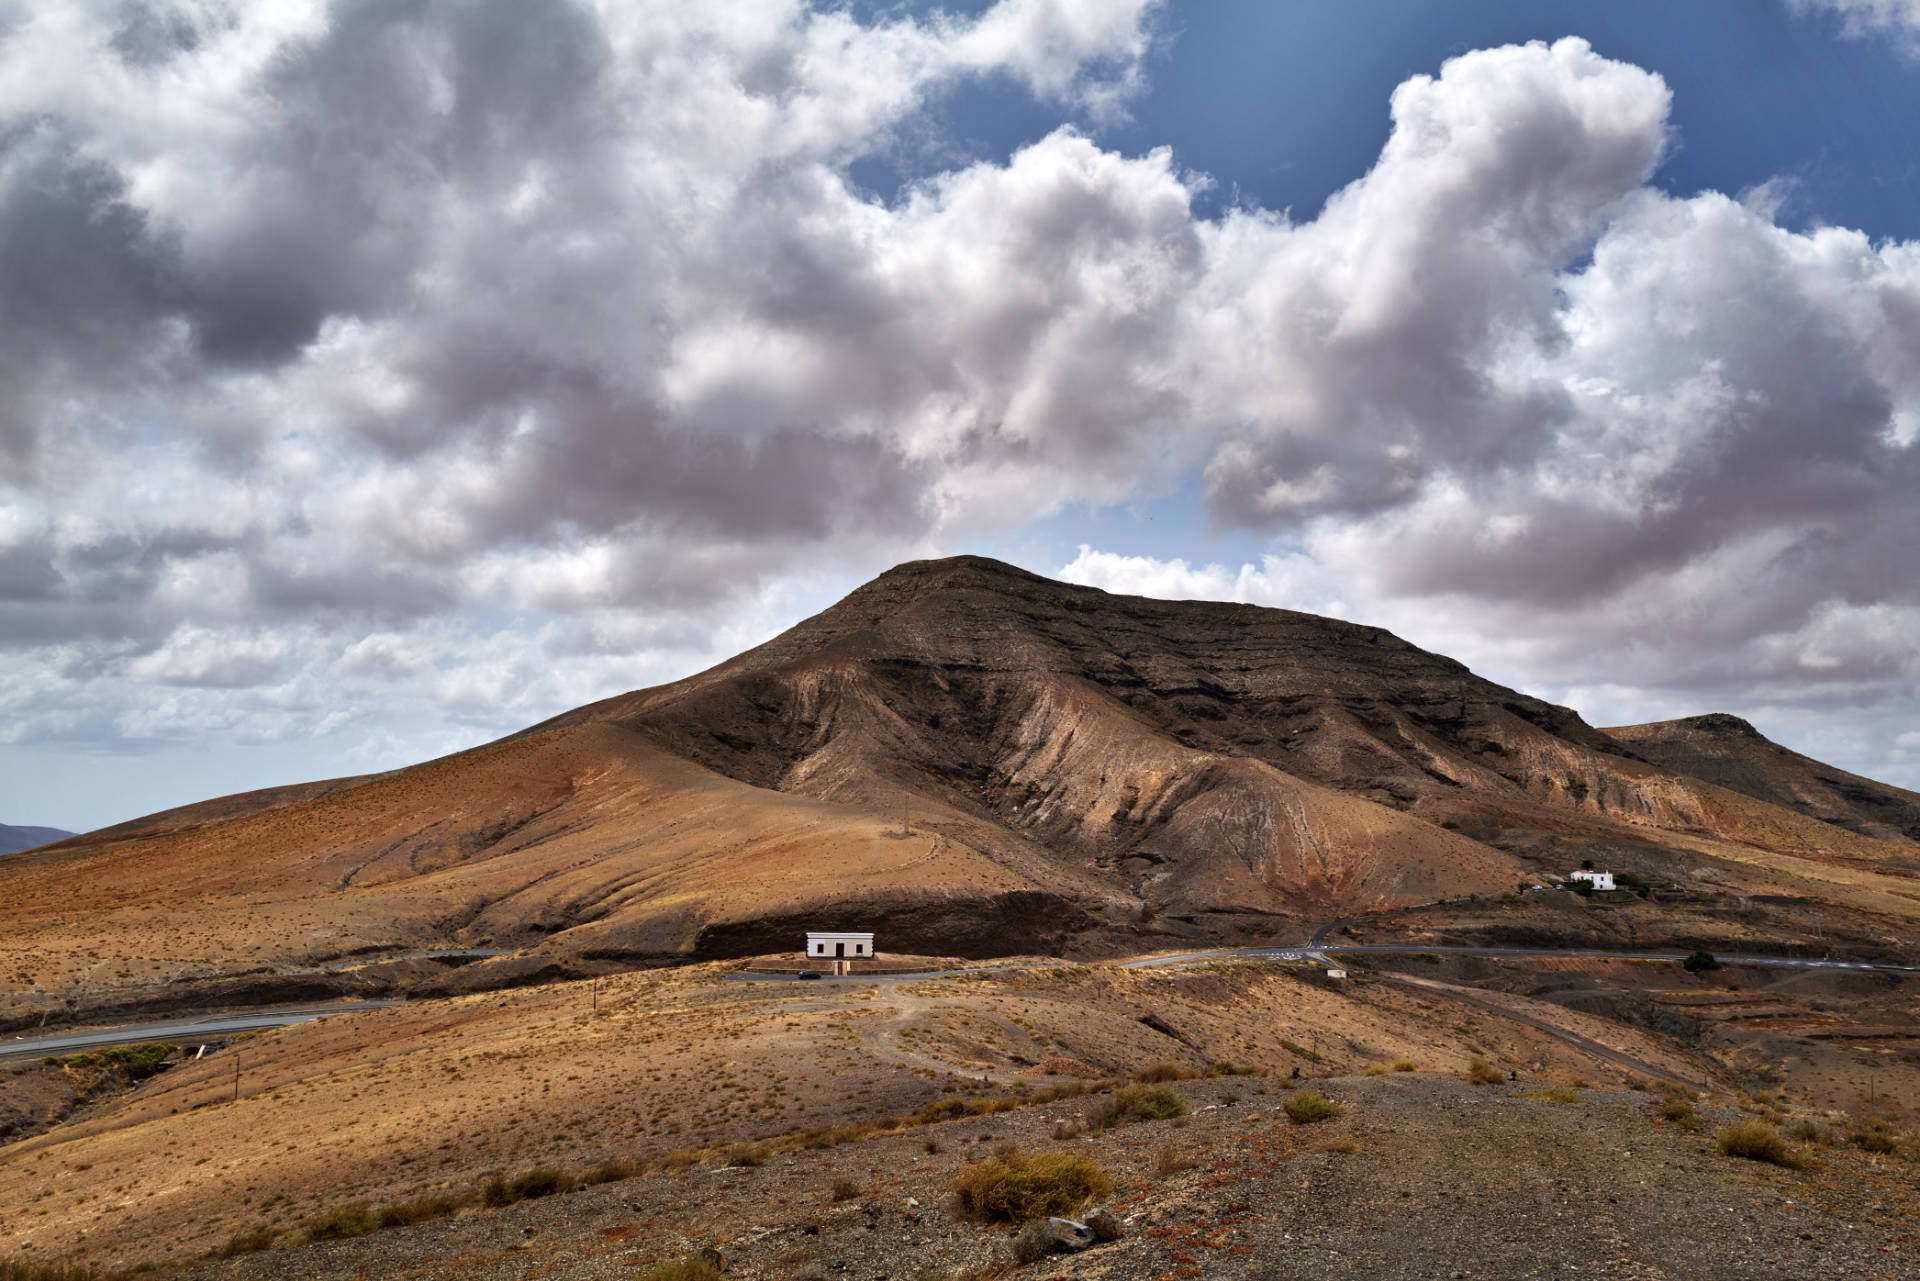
<point x="1425" y="1176"/>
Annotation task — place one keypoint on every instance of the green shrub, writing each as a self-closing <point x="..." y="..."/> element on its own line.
<point x="1012" y="1187"/>
<point x="1699" y="959"/>
<point x="1132" y="1103"/>
<point x="348" y="1221"/>
<point x="140" y="1061"/>
<point x="1308" y="1106"/>
<point x="1755" y="1141"/>
<point x="1450" y="825"/>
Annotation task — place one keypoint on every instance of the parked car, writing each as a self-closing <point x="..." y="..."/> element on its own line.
<point x="808" y="974"/>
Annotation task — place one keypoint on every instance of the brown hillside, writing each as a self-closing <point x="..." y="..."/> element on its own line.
<point x="1728" y="752"/>
<point x="1083" y="772"/>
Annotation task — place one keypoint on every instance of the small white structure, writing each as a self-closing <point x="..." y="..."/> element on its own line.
<point x="1336" y="974"/>
<point x="1599" y="880"/>
<point x="839" y="947"/>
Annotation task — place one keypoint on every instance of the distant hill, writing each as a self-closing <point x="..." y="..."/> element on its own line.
<point x="1078" y="772"/>
<point x="1729" y="752"/>
<point x="15" y="839"/>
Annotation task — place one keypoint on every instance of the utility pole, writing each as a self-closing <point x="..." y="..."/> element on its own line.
<point x="236" y="1076"/>
<point x="906" y="815"/>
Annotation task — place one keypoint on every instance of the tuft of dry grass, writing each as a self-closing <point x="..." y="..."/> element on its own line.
<point x="1405" y="1065"/>
<point x="1755" y="1141"/>
<point x="356" y="1220"/>
<point x="1155" y="1073"/>
<point x="245" y="1241"/>
<point x="1227" y="1067"/>
<point x="25" y="1270"/>
<point x="1481" y="1072"/>
<point x="1378" y="1069"/>
<point x="1681" y="1113"/>
<point x="687" y="1268"/>
<point x="1132" y="1103"/>
<point x="1341" y="1147"/>
<point x="1307" y="1106"/>
<point x="1013" y="1187"/>
<point x="1170" y="1161"/>
<point x="843" y="1189"/>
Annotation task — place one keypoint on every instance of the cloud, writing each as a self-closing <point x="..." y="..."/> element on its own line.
<point x="483" y="357"/>
<point x="1864" y="18"/>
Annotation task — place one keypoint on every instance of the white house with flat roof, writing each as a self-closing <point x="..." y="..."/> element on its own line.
<point x="1599" y="880"/>
<point x="839" y="945"/>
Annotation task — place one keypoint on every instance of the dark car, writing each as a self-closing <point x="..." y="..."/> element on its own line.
<point x="808" y="974"/>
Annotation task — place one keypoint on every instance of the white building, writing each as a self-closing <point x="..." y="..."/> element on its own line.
<point x="839" y="946"/>
<point x="1600" y="880"/>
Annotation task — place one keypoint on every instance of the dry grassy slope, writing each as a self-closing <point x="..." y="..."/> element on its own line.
<point x="1727" y="751"/>
<point x="395" y="1103"/>
<point x="591" y="829"/>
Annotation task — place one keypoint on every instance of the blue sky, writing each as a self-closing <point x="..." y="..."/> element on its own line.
<point x="386" y="381"/>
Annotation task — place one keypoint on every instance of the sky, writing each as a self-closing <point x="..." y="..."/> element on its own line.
<point x="383" y="378"/>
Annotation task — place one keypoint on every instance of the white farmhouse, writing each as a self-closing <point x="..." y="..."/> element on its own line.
<point x="1599" y="880"/>
<point x="841" y="948"/>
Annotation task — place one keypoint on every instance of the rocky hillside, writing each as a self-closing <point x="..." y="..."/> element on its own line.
<point x="1730" y="753"/>
<point x="972" y="759"/>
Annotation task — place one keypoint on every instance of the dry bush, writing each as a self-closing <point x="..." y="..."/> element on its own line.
<point x="1132" y="1103"/>
<point x="1307" y="1106"/>
<point x="398" y="1214"/>
<point x="245" y="1241"/>
<point x="1227" y="1067"/>
<point x="1755" y="1141"/>
<point x="24" y="1270"/>
<point x="1378" y="1069"/>
<point x="1560" y="1094"/>
<point x="612" y="1170"/>
<point x="1873" y="1134"/>
<point x="1681" y="1113"/>
<point x="1342" y="1147"/>
<point x="1481" y="1072"/>
<point x="1808" y="1130"/>
<point x="1034" y="1244"/>
<point x="1071" y="1128"/>
<point x="348" y="1221"/>
<point x="1405" y="1065"/>
<point x="1155" y="1073"/>
<point x="843" y="1189"/>
<point x="1013" y="1187"/>
<point x="1170" y="1161"/>
<point x="1671" y="1090"/>
<point x="687" y="1268"/>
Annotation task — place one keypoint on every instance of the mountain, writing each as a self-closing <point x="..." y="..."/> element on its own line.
<point x="1730" y="753"/>
<point x="14" y="839"/>
<point x="1077" y="772"/>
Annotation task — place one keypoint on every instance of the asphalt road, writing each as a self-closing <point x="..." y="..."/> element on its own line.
<point x="209" y="1027"/>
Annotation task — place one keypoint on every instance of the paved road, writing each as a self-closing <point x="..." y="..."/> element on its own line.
<point x="209" y="1027"/>
<point x="1318" y="952"/>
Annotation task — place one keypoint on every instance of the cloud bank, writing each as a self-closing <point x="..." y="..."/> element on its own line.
<point x="476" y="360"/>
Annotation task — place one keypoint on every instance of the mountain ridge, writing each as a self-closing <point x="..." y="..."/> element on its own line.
<point x="1084" y="772"/>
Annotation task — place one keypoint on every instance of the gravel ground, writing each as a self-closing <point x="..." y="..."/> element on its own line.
<point x="1445" y="1180"/>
